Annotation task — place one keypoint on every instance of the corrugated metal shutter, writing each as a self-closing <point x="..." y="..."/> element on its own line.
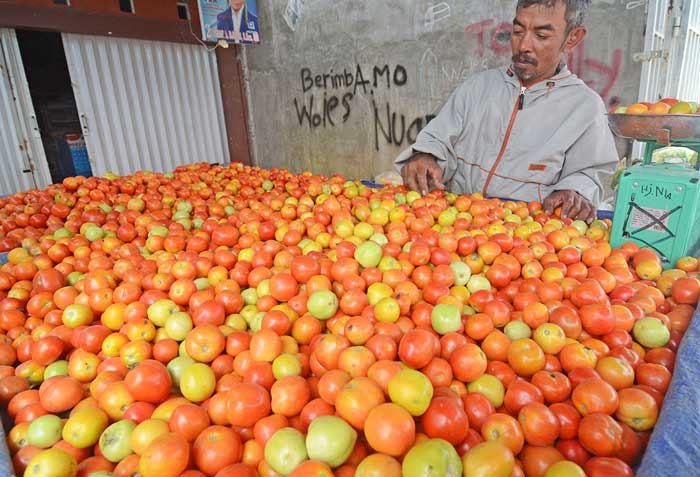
<point x="146" y="104"/>
<point x="20" y="140"/>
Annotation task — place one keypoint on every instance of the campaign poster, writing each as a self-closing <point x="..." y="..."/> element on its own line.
<point x="233" y="21"/>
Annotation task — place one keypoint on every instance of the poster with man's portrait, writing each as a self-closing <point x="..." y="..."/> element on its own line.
<point x="234" y="21"/>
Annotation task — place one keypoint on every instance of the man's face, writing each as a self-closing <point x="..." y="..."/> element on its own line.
<point x="538" y="40"/>
<point x="236" y="4"/>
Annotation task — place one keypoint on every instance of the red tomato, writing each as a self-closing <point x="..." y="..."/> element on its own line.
<point x="555" y="386"/>
<point x="189" y="420"/>
<point x="607" y="467"/>
<point x="216" y="448"/>
<point x="149" y="381"/>
<point x="600" y="435"/>
<point x="540" y="425"/>
<point x="247" y="403"/>
<point x="595" y="396"/>
<point x="446" y="419"/>
<point x="520" y="393"/>
<point x="478" y="407"/>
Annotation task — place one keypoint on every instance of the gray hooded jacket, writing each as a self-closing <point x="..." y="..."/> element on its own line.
<point x="496" y="137"/>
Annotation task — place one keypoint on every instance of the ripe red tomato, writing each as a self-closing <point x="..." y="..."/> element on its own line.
<point x="468" y="362"/>
<point x="418" y="347"/>
<point x="607" y="467"/>
<point x="595" y="396"/>
<point x="477" y="407"/>
<point x="247" y="403"/>
<point x="569" y="419"/>
<point x="390" y="429"/>
<point x="446" y="419"/>
<point x="540" y="425"/>
<point x="215" y="448"/>
<point x="520" y="393"/>
<point x="149" y="381"/>
<point x="555" y="386"/>
<point x="600" y="435"/>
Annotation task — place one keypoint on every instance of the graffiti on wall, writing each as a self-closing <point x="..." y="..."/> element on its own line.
<point x="328" y="98"/>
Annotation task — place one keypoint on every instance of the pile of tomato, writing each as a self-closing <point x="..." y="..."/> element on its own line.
<point x="234" y="321"/>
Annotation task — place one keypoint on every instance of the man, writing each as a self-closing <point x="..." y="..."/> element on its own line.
<point x="533" y="131"/>
<point x="236" y="18"/>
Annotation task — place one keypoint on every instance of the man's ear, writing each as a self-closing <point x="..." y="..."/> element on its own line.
<point x="575" y="38"/>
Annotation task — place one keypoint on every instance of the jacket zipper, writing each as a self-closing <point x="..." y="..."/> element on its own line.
<point x="519" y="104"/>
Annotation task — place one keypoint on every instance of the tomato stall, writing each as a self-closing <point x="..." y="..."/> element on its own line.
<point x="235" y="321"/>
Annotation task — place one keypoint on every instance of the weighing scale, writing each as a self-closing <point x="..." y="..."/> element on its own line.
<point x="658" y="205"/>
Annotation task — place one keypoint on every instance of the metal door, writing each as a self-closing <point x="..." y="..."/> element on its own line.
<point x="657" y="55"/>
<point x="146" y="104"/>
<point x="23" y="163"/>
<point x="686" y="72"/>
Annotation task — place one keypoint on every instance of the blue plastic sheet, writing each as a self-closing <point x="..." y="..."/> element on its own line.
<point x="674" y="447"/>
<point x="5" y="462"/>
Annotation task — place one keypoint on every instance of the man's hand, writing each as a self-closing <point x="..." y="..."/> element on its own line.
<point x="422" y="174"/>
<point x="573" y="205"/>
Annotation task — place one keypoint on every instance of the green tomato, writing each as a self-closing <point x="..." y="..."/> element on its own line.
<point x="255" y="323"/>
<point x="263" y="288"/>
<point x="517" y="330"/>
<point x="368" y="254"/>
<point x="180" y="214"/>
<point x="651" y="332"/>
<point x="178" y="325"/>
<point x="197" y="382"/>
<point x="432" y="458"/>
<point x="74" y="277"/>
<point x="184" y="207"/>
<point x="379" y="238"/>
<point x="491" y="387"/>
<point x="57" y="368"/>
<point x="94" y="233"/>
<point x="158" y="230"/>
<point x="462" y="273"/>
<point x="286" y="365"/>
<point x="44" y="431"/>
<point x="176" y="366"/>
<point x="250" y="296"/>
<point x="62" y="233"/>
<point x="411" y="390"/>
<point x="285" y="450"/>
<point x="388" y="263"/>
<point x="478" y="282"/>
<point x="322" y="304"/>
<point x="159" y="311"/>
<point x="182" y="350"/>
<point x="246" y="255"/>
<point x="115" y="441"/>
<point x="201" y="283"/>
<point x="446" y="318"/>
<point x="331" y="440"/>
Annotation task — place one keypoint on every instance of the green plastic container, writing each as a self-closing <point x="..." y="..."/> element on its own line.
<point x="658" y="206"/>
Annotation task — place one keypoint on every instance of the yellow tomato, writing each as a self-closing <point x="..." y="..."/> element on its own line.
<point x="83" y="428"/>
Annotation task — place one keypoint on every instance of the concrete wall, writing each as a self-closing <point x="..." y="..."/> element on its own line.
<point x="354" y="81"/>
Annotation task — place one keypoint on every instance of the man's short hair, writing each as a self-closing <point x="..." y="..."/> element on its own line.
<point x="575" y="9"/>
